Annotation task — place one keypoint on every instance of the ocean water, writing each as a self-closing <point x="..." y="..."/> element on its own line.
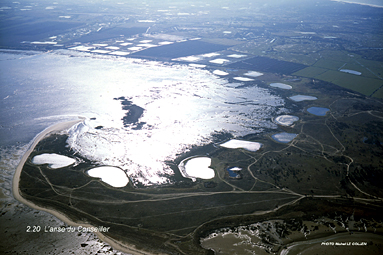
<point x="182" y="106"/>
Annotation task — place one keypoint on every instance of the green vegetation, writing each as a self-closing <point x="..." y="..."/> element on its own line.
<point x="329" y="64"/>
<point x="310" y="71"/>
<point x="379" y="93"/>
<point x="360" y="84"/>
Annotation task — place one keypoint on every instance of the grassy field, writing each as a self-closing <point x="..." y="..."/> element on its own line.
<point x="329" y="64"/>
<point x="379" y="93"/>
<point x="310" y="71"/>
<point x="327" y="69"/>
<point x="360" y="84"/>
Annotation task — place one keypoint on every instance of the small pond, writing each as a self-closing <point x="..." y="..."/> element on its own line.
<point x="299" y="98"/>
<point x="318" y="111"/>
<point x="284" y="137"/>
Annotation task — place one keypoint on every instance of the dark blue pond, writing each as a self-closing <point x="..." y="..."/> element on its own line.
<point x="233" y="172"/>
<point x="318" y="111"/>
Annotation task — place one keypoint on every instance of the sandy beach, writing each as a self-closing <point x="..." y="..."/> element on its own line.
<point x="15" y="189"/>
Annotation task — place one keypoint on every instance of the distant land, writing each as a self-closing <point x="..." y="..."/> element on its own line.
<point x="374" y="3"/>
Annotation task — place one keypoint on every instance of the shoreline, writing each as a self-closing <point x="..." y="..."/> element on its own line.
<point x="15" y="190"/>
<point x="365" y="4"/>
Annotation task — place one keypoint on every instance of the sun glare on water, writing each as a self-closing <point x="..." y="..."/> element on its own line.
<point x="183" y="106"/>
